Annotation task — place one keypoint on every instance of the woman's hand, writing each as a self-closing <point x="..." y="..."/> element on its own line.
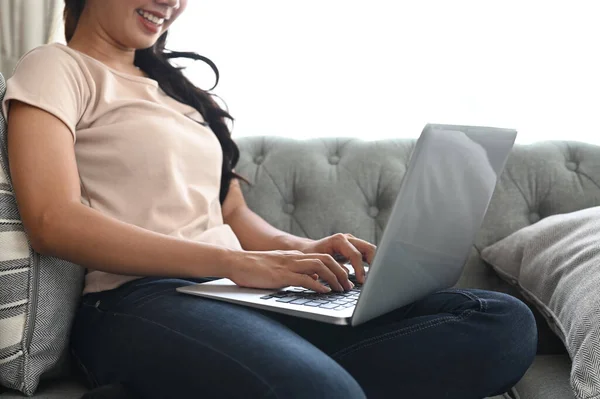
<point x="278" y="269"/>
<point x="350" y="247"/>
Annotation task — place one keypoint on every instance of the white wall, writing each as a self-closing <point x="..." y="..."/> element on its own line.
<point x="384" y="68"/>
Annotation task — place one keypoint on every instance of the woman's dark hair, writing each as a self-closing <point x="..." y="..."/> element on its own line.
<point x="154" y="61"/>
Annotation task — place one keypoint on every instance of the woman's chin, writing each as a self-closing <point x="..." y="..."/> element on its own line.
<point x="145" y="46"/>
<point x="141" y="43"/>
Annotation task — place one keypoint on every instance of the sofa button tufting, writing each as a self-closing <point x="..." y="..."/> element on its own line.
<point x="373" y="212"/>
<point x="289" y="208"/>
<point x="259" y="159"/>
<point x="534" y="217"/>
<point x="334" y="160"/>
<point x="572" y="166"/>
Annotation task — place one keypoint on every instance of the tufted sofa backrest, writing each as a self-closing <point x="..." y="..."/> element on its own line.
<point x="318" y="187"/>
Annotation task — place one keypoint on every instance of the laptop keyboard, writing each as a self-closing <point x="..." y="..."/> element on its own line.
<point x="332" y="300"/>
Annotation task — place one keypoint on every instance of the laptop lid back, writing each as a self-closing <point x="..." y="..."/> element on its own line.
<point x="443" y="198"/>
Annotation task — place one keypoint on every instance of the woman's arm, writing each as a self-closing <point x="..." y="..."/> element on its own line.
<point x="46" y="182"/>
<point x="47" y="187"/>
<point x="254" y="233"/>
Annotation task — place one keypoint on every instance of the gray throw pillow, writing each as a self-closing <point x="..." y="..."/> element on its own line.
<point x="555" y="263"/>
<point x="38" y="294"/>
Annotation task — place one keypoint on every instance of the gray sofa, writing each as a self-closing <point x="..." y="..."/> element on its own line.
<point x="316" y="188"/>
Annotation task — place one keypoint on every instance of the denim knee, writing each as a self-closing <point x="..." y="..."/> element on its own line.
<point x="511" y="337"/>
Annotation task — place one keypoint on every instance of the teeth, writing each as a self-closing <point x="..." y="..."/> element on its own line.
<point x="152" y="18"/>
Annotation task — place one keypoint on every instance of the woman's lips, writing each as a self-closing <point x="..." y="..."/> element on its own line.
<point x="149" y="26"/>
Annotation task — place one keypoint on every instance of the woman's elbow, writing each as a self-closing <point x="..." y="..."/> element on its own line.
<point x="37" y="238"/>
<point x="40" y="231"/>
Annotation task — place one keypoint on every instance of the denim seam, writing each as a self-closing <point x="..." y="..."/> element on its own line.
<point x="148" y="298"/>
<point x="193" y="339"/>
<point x="85" y="370"/>
<point x="399" y="333"/>
<point x="482" y="303"/>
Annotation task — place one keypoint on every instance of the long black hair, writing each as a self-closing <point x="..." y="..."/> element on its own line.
<point x="154" y="61"/>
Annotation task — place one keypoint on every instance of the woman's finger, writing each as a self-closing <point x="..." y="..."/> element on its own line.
<point x="306" y="281"/>
<point x="312" y="264"/>
<point x="366" y="248"/>
<point x="340" y="271"/>
<point x="342" y="245"/>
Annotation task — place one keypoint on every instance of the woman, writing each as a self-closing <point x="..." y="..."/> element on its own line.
<point x="121" y="165"/>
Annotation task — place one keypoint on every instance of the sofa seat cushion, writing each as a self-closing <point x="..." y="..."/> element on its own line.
<point x="57" y="389"/>
<point x="547" y="378"/>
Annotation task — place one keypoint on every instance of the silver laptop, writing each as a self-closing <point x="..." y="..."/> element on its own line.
<point x="440" y="206"/>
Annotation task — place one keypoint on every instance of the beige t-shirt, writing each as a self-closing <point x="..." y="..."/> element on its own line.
<point x="143" y="157"/>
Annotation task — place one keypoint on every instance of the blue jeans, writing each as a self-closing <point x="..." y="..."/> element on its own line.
<point x="463" y="344"/>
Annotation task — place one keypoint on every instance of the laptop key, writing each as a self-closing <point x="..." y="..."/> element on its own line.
<point x="288" y="299"/>
<point x="313" y="304"/>
<point x="300" y="301"/>
<point x="266" y="297"/>
<point x="340" y="302"/>
<point x="329" y="306"/>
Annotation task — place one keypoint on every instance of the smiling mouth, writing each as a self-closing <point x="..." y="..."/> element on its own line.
<point x="151" y="18"/>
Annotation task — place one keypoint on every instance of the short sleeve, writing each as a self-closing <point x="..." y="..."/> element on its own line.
<point x="50" y="79"/>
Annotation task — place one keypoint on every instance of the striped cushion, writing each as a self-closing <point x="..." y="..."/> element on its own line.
<point x="38" y="294"/>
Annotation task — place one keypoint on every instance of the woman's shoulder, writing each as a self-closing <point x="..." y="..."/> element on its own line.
<point x="53" y="61"/>
<point x="48" y="56"/>
<point x="52" y="79"/>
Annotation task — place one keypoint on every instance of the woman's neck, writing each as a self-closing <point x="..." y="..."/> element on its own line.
<point x="89" y="38"/>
